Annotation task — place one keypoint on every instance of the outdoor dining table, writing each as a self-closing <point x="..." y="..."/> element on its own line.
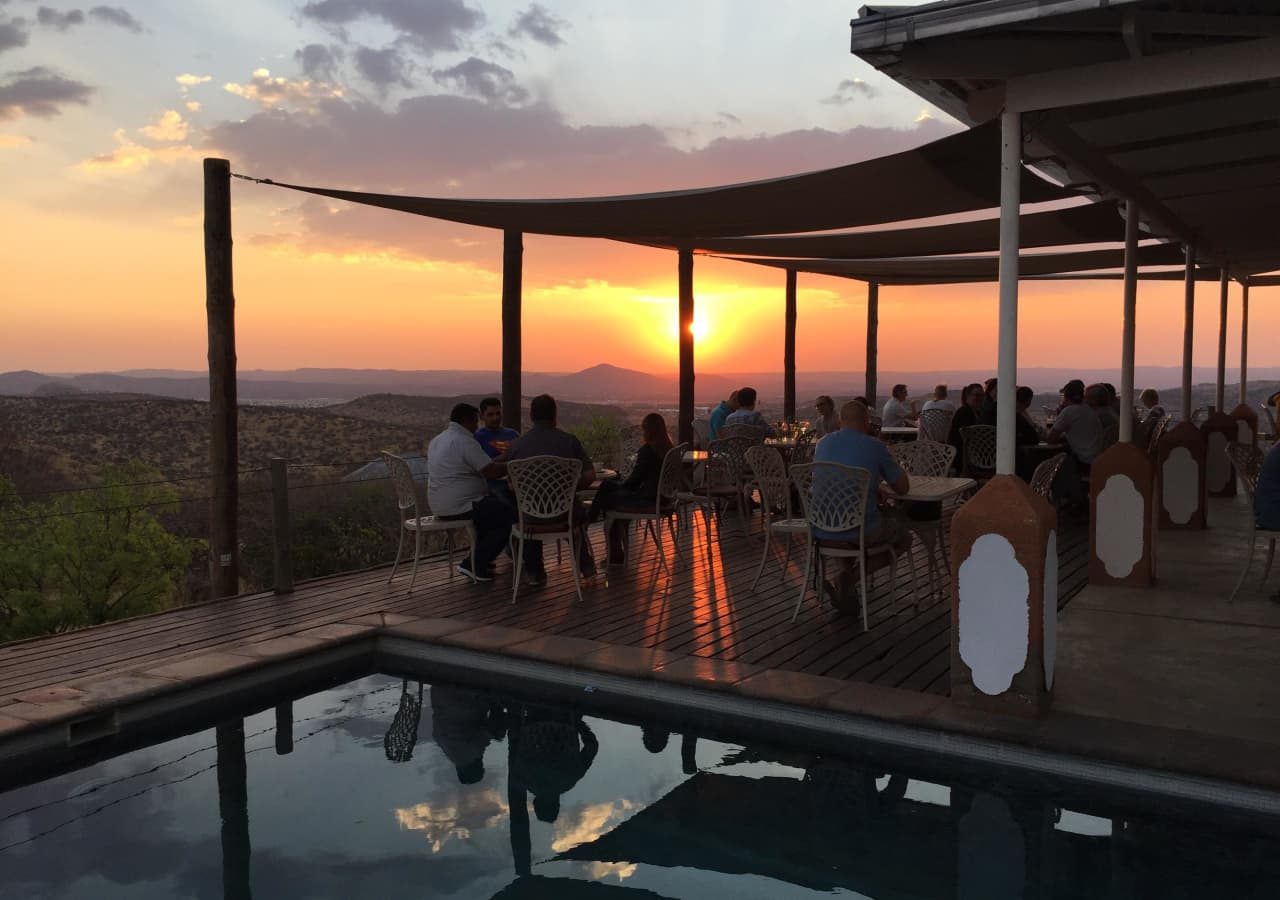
<point x="694" y="456"/>
<point x="899" y="432"/>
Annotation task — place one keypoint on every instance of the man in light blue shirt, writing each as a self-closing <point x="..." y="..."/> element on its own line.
<point x="852" y="446"/>
<point x="720" y="413"/>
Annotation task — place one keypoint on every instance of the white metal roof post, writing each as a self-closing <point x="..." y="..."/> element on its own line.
<point x="1188" y="329"/>
<point x="1007" y="369"/>
<point x="1130" y="313"/>
<point x="1220" y="393"/>
<point x="1122" y="479"/>
<point x="1004" y="544"/>
<point x="1245" y="416"/>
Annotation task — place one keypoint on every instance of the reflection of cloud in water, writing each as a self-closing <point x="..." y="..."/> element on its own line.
<point x="440" y="823"/>
<point x="602" y="870"/>
<point x="592" y="821"/>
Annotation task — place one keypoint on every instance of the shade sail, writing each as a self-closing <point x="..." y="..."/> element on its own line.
<point x="1094" y="223"/>
<point x="958" y="269"/>
<point x="959" y="173"/>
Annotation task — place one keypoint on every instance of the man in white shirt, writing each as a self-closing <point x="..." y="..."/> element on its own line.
<point x="940" y="400"/>
<point x="897" y="412"/>
<point x="1078" y="426"/>
<point x="457" y="488"/>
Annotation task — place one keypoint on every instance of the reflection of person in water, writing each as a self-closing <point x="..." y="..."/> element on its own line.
<point x="654" y="739"/>
<point x="552" y="750"/>
<point x="462" y="724"/>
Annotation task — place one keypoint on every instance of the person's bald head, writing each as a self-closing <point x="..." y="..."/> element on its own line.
<point x="854" y="415"/>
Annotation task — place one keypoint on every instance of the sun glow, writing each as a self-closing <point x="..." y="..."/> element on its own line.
<point x="699" y="329"/>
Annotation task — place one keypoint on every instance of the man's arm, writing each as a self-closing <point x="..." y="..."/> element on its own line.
<point x="478" y="460"/>
<point x="902" y="485"/>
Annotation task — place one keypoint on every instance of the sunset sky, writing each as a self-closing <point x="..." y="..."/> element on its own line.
<point x="106" y="111"/>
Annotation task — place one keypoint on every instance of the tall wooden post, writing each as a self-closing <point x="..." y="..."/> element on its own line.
<point x="873" y="340"/>
<point x="220" y="306"/>
<point x="1244" y="342"/>
<point x="512" y="277"/>
<point x="685" y="276"/>
<point x="233" y="805"/>
<point x="1188" y="328"/>
<point x="1219" y="397"/>
<point x="789" y="351"/>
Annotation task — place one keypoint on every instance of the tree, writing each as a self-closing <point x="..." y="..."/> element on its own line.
<point x="87" y="557"/>
<point x="602" y="439"/>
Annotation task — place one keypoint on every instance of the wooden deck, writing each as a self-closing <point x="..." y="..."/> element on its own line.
<point x="704" y="608"/>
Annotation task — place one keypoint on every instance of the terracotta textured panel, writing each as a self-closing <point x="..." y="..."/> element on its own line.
<point x="1005" y="515"/>
<point x="1122" y="514"/>
<point x="1181" y="484"/>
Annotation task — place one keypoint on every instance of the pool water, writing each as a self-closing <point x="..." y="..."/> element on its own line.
<point x="390" y="788"/>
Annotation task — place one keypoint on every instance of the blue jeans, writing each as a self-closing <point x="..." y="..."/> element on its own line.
<point x="492" y="520"/>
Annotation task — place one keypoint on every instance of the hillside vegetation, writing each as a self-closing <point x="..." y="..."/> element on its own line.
<point x="69" y="439"/>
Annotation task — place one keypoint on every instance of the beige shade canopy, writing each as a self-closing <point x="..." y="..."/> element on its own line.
<point x="959" y="269"/>
<point x="1091" y="223"/>
<point x="956" y="174"/>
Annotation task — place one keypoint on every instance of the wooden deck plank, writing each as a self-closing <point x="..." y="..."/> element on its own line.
<point x="703" y="606"/>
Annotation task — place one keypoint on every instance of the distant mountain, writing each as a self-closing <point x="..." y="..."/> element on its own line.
<point x="603" y="383"/>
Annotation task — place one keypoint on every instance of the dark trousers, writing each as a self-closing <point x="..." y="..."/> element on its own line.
<point x="612" y="495"/>
<point x="492" y="520"/>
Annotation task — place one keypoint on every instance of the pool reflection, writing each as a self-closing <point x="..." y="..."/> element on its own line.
<point x="459" y="792"/>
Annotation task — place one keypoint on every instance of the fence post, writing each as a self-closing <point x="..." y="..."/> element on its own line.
<point x="280" y="531"/>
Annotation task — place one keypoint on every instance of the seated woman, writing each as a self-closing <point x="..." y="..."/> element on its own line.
<point x="639" y="491"/>
<point x="966" y="415"/>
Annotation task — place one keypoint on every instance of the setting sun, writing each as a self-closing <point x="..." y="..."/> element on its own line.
<point x="699" y="329"/>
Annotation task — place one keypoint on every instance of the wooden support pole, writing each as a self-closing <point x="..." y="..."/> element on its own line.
<point x="873" y="340"/>
<point x="512" y="291"/>
<point x="685" y="277"/>
<point x="1220" y="393"/>
<point x="1129" y="329"/>
<point x="233" y="805"/>
<point x="220" y="307"/>
<point x="281" y="539"/>
<point x="789" y="351"/>
<point x="284" y="728"/>
<point x="1188" y="328"/>
<point x="1244" y="342"/>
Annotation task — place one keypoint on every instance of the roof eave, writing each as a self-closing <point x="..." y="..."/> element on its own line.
<point x="879" y="27"/>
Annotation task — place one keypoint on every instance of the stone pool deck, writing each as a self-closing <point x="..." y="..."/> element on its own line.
<point x="1171" y="679"/>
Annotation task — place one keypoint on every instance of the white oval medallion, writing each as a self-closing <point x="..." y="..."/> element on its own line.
<point x="1180" y="485"/>
<point x="994" y="590"/>
<point x="1050" y="644"/>
<point x="1120" y="515"/>
<point x="1217" y="464"/>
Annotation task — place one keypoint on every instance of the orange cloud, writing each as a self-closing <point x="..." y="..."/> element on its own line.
<point x="271" y="92"/>
<point x="169" y="127"/>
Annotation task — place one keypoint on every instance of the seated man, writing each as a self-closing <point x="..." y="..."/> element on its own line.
<point x="492" y="435"/>
<point x="457" y="469"/>
<point x="1150" y="401"/>
<point x="940" y="400"/>
<point x="1078" y="426"/>
<point x="852" y="446"/>
<point x="897" y="412"/>
<point x="746" y="413"/>
<point x="987" y="411"/>
<point x="1266" y="500"/>
<point x="1026" y="433"/>
<point x="545" y="439"/>
<point x="722" y="412"/>
<point x="1098" y="397"/>
<point x="827" y="421"/>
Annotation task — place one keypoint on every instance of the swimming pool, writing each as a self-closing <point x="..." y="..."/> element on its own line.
<point x="386" y="787"/>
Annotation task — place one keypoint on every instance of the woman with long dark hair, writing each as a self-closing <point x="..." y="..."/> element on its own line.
<point x="639" y="491"/>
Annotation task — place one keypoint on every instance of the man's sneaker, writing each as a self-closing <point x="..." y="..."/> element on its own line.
<point x="465" y="571"/>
